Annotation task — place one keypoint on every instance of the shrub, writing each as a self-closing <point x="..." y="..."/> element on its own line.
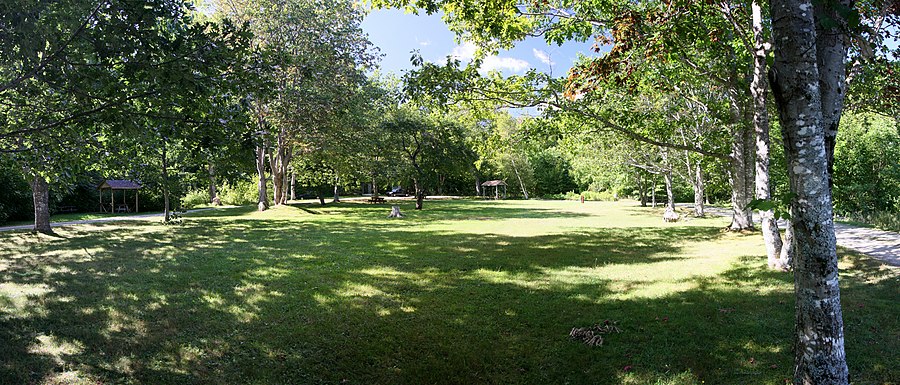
<point x="240" y="193"/>
<point x="607" y="196"/>
<point x="195" y="198"/>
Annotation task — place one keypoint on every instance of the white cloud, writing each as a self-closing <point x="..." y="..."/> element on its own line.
<point x="464" y="52"/>
<point x="467" y="50"/>
<point x="503" y="63"/>
<point x="543" y="57"/>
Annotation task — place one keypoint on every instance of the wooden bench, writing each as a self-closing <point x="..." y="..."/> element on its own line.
<point x="67" y="209"/>
<point x="376" y="200"/>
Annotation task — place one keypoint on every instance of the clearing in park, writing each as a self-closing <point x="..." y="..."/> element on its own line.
<point x="467" y="292"/>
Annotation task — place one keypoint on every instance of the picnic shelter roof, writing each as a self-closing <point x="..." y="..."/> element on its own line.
<point x="494" y="183"/>
<point x="119" y="184"/>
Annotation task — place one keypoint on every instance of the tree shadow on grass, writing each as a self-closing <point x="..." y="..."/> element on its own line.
<point x="244" y="301"/>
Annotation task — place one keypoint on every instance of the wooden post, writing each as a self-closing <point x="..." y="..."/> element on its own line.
<point x="101" y="200"/>
<point x="112" y="200"/>
<point x="136" y="200"/>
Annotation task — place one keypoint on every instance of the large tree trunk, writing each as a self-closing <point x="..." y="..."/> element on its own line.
<point x="213" y="193"/>
<point x="167" y="216"/>
<point x="293" y="186"/>
<point x="742" y="216"/>
<point x="337" y="195"/>
<point x="263" y="202"/>
<point x="642" y="189"/>
<point x="275" y="159"/>
<point x="758" y="90"/>
<point x="320" y="195"/>
<point x="478" y="191"/>
<point x="670" y="192"/>
<point x="819" y="345"/>
<point x="831" y="53"/>
<point x="420" y="193"/>
<point x="374" y="187"/>
<point x="699" y="185"/>
<point x="40" y="190"/>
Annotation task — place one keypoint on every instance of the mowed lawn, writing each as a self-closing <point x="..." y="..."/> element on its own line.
<point x="464" y="292"/>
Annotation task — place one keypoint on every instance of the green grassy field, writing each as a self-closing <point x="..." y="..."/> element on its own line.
<point x="464" y="292"/>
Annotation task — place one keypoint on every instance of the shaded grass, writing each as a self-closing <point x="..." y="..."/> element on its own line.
<point x="463" y="292"/>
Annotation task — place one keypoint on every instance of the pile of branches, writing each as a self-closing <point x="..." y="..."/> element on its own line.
<point x="593" y="335"/>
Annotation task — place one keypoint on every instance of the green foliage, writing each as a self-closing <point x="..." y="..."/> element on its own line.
<point x="15" y="199"/>
<point x="551" y="173"/>
<point x="601" y="196"/>
<point x="780" y="206"/>
<point x="239" y="193"/>
<point x="867" y="170"/>
<point x="195" y="198"/>
<point x="885" y="220"/>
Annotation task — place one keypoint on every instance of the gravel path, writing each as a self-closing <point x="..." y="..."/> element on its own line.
<point x="884" y="245"/>
<point x="97" y="220"/>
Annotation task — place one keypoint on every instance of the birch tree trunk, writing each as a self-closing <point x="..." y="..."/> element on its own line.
<point x="521" y="184"/>
<point x="167" y="215"/>
<point x="670" y="192"/>
<point x="831" y="53"/>
<point x="819" y="344"/>
<point x="40" y="191"/>
<point x="263" y="202"/>
<point x="742" y="216"/>
<point x="337" y="195"/>
<point x="477" y="181"/>
<point x="642" y="189"/>
<point x="758" y="89"/>
<point x="699" y="191"/>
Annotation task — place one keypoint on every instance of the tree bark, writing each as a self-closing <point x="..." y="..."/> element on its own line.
<point x="819" y="345"/>
<point x="40" y="190"/>
<point x="263" y="202"/>
<point x="670" y="192"/>
<point x="320" y="195"/>
<point x="521" y="184"/>
<point x="831" y="53"/>
<point x="653" y="193"/>
<point x="758" y="91"/>
<point x="699" y="191"/>
<point x="477" y="181"/>
<point x="213" y="193"/>
<point x="293" y="186"/>
<point x="786" y="258"/>
<point x="420" y="193"/>
<point x="167" y="215"/>
<point x="742" y="216"/>
<point x="337" y="195"/>
<point x="642" y="189"/>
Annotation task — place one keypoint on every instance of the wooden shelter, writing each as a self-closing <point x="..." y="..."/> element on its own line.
<point x="118" y="184"/>
<point x="496" y="185"/>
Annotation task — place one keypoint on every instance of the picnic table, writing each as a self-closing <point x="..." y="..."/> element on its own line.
<point x="67" y="209"/>
<point x="376" y="200"/>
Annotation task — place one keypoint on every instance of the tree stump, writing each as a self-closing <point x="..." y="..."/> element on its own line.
<point x="670" y="216"/>
<point x="395" y="212"/>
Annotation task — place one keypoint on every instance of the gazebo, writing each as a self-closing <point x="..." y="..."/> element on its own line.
<point x="118" y="184"/>
<point x="496" y="185"/>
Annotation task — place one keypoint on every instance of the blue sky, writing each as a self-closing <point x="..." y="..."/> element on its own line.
<point x="397" y="34"/>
